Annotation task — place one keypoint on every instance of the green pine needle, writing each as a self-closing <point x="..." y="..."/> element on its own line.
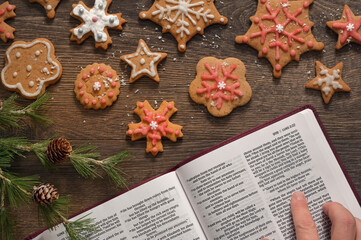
<point x="113" y="172"/>
<point x="39" y="149"/>
<point x="15" y="146"/>
<point x="6" y="225"/>
<point x="52" y="214"/>
<point x="81" y="229"/>
<point x="83" y="160"/>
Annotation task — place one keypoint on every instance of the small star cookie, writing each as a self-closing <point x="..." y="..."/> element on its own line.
<point x="49" y="6"/>
<point x="154" y="125"/>
<point x="6" y="11"/>
<point x="95" y="22"/>
<point x="184" y="18"/>
<point x="143" y="62"/>
<point x="328" y="81"/>
<point x="348" y="28"/>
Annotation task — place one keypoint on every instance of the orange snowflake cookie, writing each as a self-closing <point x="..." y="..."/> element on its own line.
<point x="97" y="86"/>
<point x="6" y="11"/>
<point x="183" y="18"/>
<point x="49" y="6"/>
<point x="281" y="32"/>
<point x="154" y="125"/>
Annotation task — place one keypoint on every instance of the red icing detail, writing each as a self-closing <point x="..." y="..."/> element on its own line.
<point x="81" y="93"/>
<point x="2" y="11"/>
<point x="306" y="4"/>
<point x="256" y="19"/>
<point x="306" y="28"/>
<point x="92" y="71"/>
<point x="103" y="101"/>
<point x="101" y="69"/>
<point x="284" y="1"/>
<point x="350" y="22"/>
<point x="140" y="105"/>
<point x="109" y="74"/>
<point x="177" y="132"/>
<point x="113" y="84"/>
<point x="95" y="19"/>
<point x="86" y="100"/>
<point x="94" y="102"/>
<point x="278" y="67"/>
<point x="310" y="44"/>
<point x="85" y="76"/>
<point x="2" y="30"/>
<point x="245" y="39"/>
<point x="9" y="8"/>
<point x="154" y="150"/>
<point x="265" y="50"/>
<point x="7" y="35"/>
<point x="219" y="94"/>
<point x="110" y="94"/>
<point x="263" y="1"/>
<point x="130" y="132"/>
<point x="170" y="106"/>
<point x="80" y="85"/>
<point x="293" y="53"/>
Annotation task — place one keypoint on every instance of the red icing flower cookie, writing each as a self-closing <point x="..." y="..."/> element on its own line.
<point x="154" y="125"/>
<point x="281" y="32"/>
<point x="97" y="86"/>
<point x="348" y="28"/>
<point x="6" y="11"/>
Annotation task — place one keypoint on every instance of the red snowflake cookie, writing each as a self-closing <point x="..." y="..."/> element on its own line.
<point x="281" y="32"/>
<point x="154" y="125"/>
<point x="6" y="11"/>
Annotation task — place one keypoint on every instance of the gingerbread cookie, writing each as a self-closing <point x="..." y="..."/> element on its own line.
<point x="220" y="85"/>
<point x="154" y="125"/>
<point x="143" y="62"/>
<point x="183" y="18"/>
<point x="30" y="67"/>
<point x="281" y="32"/>
<point x="97" y="86"/>
<point x="348" y="28"/>
<point x="6" y="11"/>
<point x="49" y="6"/>
<point x="328" y="81"/>
<point x="95" y="22"/>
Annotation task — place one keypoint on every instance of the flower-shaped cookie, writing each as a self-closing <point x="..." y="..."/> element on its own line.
<point x="30" y="67"/>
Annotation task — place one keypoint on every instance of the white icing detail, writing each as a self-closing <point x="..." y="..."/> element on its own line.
<point x="28" y="68"/>
<point x="279" y="28"/>
<point x="142" y="61"/>
<point x="37" y="53"/>
<point x="350" y="27"/>
<point x="183" y="17"/>
<point x="222" y="19"/>
<point x="169" y="27"/>
<point x="182" y="46"/>
<point x="153" y="125"/>
<point x="221" y="85"/>
<point x="329" y="80"/>
<point x="45" y="70"/>
<point x="31" y="84"/>
<point x="213" y="104"/>
<point x="41" y="81"/>
<point x="154" y="56"/>
<point x="285" y="5"/>
<point x="17" y="55"/>
<point x="15" y="74"/>
<point x="199" y="29"/>
<point x="97" y="86"/>
<point x="98" y="26"/>
<point x="144" y="15"/>
<point x="49" y="7"/>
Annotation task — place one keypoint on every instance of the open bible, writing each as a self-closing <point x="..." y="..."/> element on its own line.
<point x="239" y="189"/>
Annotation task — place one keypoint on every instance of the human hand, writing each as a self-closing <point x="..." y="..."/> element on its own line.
<point x="344" y="225"/>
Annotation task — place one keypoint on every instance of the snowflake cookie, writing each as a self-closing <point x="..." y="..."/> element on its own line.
<point x="154" y="125"/>
<point x="6" y="11"/>
<point x="143" y="62"/>
<point x="95" y="22"/>
<point x="30" y="67"/>
<point x="97" y="86"/>
<point x="281" y="32"/>
<point x="328" y="81"/>
<point x="49" y="6"/>
<point x="220" y="85"/>
<point x="183" y="18"/>
<point x="348" y="28"/>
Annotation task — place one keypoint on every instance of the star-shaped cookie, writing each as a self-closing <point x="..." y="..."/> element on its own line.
<point x="49" y="6"/>
<point x="348" y="28"/>
<point x="328" y="81"/>
<point x="143" y="62"/>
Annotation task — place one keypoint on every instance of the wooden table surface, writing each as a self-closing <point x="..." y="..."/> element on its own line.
<point x="106" y="128"/>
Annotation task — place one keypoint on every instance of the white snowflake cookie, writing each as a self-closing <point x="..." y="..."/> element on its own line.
<point x="95" y="22"/>
<point x="30" y="67"/>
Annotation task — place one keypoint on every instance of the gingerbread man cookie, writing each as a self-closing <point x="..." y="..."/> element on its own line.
<point x="95" y="22"/>
<point x="143" y="62"/>
<point x="97" y="86"/>
<point x="6" y="11"/>
<point x="30" y="67"/>
<point x="220" y="85"/>
<point x="348" y="28"/>
<point x="49" y="6"/>
<point x="154" y="125"/>
<point x="328" y="81"/>
<point x="184" y="18"/>
<point x="281" y="32"/>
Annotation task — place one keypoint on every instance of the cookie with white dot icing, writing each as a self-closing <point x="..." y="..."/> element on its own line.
<point x="30" y="67"/>
<point x="95" y="22"/>
<point x="49" y="6"/>
<point x="97" y="86"/>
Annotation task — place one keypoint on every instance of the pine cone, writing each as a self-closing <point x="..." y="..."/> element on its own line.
<point x="58" y="150"/>
<point x="1" y="105"/>
<point x="45" y="194"/>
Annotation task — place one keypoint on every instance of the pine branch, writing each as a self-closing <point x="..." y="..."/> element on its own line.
<point x="39" y="150"/>
<point x="113" y="172"/>
<point x="81" y="228"/>
<point x="15" y="146"/>
<point x="53" y="214"/>
<point x="83" y="160"/>
<point x="6" y="219"/>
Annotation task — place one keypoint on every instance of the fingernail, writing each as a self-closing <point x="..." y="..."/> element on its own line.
<point x="299" y="195"/>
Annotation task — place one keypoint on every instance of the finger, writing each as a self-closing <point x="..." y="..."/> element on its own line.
<point x="343" y="222"/>
<point x="358" y="229"/>
<point x="302" y="218"/>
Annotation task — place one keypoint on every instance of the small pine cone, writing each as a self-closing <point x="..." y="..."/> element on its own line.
<point x="45" y="194"/>
<point x="58" y="150"/>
